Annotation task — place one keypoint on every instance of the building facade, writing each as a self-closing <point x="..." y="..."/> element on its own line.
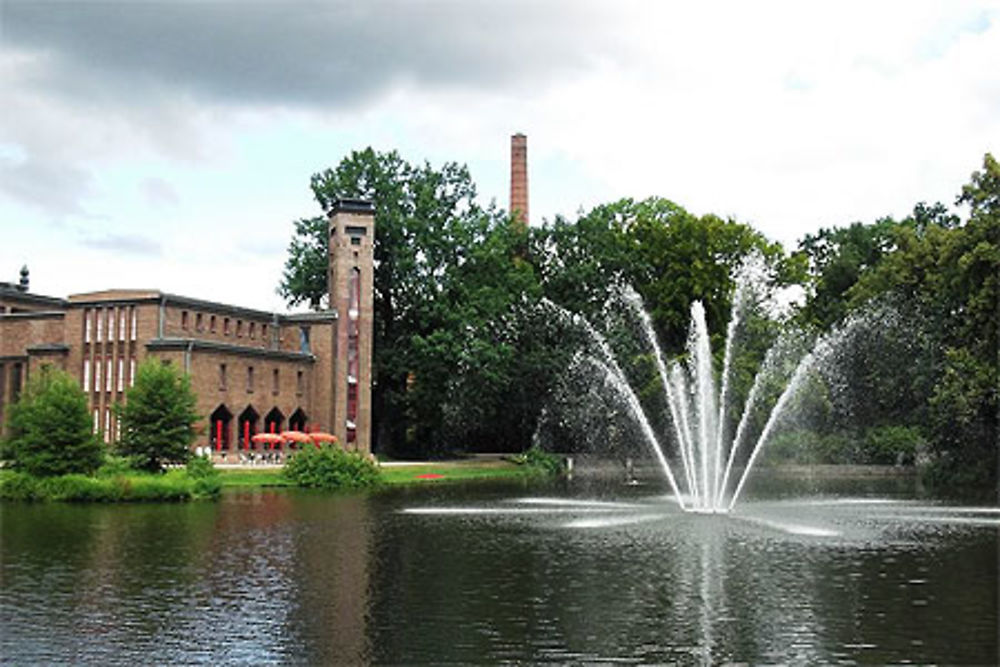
<point x="252" y="371"/>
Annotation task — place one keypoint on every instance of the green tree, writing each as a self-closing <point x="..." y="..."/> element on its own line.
<point x="952" y="274"/>
<point x="158" y="416"/>
<point x="50" y="427"/>
<point x="433" y="242"/>
<point x="931" y="361"/>
<point x="670" y="256"/>
<point x="837" y="258"/>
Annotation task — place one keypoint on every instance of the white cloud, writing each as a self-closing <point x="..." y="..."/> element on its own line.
<point x="786" y="115"/>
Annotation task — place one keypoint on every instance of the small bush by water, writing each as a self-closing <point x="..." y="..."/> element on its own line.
<point x="115" y="482"/>
<point x="331" y="468"/>
<point x="541" y="461"/>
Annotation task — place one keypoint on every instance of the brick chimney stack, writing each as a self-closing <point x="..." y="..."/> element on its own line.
<point x="519" y="177"/>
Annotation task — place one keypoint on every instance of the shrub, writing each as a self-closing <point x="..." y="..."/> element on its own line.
<point x="893" y="445"/>
<point x="116" y="466"/>
<point x="50" y="427"/>
<point x="331" y="468"/>
<point x="173" y="486"/>
<point x="16" y="485"/>
<point x="206" y="478"/>
<point x="807" y="447"/>
<point x="541" y="461"/>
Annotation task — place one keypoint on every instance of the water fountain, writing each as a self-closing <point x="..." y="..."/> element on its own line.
<point x="699" y="456"/>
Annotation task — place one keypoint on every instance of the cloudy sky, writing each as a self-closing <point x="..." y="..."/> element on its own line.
<point x="170" y="144"/>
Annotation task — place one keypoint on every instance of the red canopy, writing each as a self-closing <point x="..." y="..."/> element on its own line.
<point x="295" y="436"/>
<point x="320" y="436"/>
<point x="265" y="437"/>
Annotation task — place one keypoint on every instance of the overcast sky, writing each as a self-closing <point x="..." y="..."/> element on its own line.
<point x="169" y="145"/>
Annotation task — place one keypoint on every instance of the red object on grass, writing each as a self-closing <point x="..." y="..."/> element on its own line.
<point x="430" y="475"/>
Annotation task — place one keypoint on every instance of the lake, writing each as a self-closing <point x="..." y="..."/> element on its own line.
<point x="823" y="571"/>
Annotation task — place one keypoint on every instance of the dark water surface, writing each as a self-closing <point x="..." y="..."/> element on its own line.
<point x="571" y="573"/>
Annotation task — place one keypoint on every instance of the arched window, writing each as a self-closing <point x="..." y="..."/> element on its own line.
<point x="297" y="422"/>
<point x="274" y="421"/>
<point x="219" y="435"/>
<point x="247" y="426"/>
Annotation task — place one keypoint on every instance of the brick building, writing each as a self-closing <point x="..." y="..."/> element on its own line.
<point x="252" y="371"/>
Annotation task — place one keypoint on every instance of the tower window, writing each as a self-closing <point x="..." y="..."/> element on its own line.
<point x="304" y="340"/>
<point x="184" y="319"/>
<point x="250" y="379"/>
<point x="222" y="377"/>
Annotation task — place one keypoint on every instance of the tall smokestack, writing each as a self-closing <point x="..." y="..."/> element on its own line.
<point x="519" y="178"/>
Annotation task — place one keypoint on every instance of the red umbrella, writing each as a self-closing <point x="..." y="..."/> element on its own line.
<point x="320" y="436"/>
<point x="295" y="436"/>
<point x="270" y="438"/>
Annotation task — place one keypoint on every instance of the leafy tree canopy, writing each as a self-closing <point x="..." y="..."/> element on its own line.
<point x="50" y="427"/>
<point x="158" y="416"/>
<point x="670" y="256"/>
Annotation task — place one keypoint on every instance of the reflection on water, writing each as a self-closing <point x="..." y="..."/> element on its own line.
<point x="493" y="574"/>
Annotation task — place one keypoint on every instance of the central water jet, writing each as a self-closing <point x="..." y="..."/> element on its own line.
<point x="705" y="466"/>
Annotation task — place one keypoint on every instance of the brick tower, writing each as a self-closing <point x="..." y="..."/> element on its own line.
<point x="351" y="285"/>
<point x="519" y="178"/>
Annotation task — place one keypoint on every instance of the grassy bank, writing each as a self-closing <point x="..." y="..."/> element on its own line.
<point x="393" y="474"/>
<point x="179" y="485"/>
<point x="456" y="471"/>
<point x="172" y="486"/>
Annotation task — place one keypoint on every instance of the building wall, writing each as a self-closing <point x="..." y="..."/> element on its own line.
<point x="322" y="360"/>
<point x="106" y="344"/>
<point x="237" y="388"/>
<point x="19" y="333"/>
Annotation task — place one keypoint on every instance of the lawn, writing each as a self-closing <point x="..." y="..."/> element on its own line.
<point x="393" y="474"/>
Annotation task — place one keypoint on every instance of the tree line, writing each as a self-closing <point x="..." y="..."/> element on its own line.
<point x="466" y="357"/>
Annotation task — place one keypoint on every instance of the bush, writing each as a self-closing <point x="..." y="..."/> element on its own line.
<point x="207" y="481"/>
<point x="541" y="461"/>
<point x="116" y="466"/>
<point x="893" y="445"/>
<point x="16" y="485"/>
<point x="331" y="468"/>
<point x="50" y="428"/>
<point x="808" y="447"/>
<point x="175" y="485"/>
